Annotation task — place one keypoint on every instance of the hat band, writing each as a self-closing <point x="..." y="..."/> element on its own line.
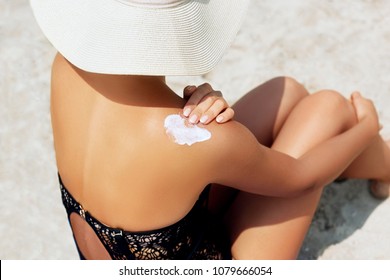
<point x="153" y="3"/>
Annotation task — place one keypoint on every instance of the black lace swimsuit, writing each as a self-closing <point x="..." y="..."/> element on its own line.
<point x="196" y="236"/>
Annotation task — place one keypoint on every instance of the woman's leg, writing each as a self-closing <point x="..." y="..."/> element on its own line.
<point x="274" y="228"/>
<point x="265" y="108"/>
<point x="374" y="164"/>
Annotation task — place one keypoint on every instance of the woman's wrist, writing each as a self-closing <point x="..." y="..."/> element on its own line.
<point x="370" y="126"/>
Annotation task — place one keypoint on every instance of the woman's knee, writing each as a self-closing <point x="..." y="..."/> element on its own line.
<point x="293" y="90"/>
<point x="332" y="103"/>
<point x="330" y="99"/>
<point x="292" y="94"/>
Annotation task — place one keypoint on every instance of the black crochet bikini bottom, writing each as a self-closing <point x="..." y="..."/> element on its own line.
<point x="196" y="236"/>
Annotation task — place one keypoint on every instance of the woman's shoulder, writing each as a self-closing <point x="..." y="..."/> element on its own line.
<point x="233" y="136"/>
<point x="231" y="145"/>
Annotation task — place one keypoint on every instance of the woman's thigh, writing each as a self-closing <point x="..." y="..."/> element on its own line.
<point x="265" y="108"/>
<point x="269" y="227"/>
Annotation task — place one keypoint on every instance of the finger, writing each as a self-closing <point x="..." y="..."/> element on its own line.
<point x="219" y="105"/>
<point x="188" y="91"/>
<point x="356" y="98"/>
<point x="196" y="97"/>
<point x="225" y="116"/>
<point x="199" y="112"/>
<point x="356" y="94"/>
<point x="198" y="93"/>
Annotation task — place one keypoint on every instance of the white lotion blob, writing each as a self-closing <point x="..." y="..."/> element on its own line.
<point x="183" y="132"/>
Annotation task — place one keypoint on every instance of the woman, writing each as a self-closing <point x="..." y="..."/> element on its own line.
<point x="135" y="171"/>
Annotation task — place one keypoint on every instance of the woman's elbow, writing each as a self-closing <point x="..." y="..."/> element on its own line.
<point x="300" y="184"/>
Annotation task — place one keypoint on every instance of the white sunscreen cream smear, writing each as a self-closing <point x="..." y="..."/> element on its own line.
<point x="184" y="133"/>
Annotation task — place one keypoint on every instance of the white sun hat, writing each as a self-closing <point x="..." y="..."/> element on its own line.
<point x="141" y="37"/>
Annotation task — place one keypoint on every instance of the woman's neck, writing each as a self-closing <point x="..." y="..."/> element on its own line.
<point x="150" y="91"/>
<point x="134" y="90"/>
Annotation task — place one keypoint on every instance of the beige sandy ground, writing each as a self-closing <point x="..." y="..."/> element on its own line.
<point x="343" y="45"/>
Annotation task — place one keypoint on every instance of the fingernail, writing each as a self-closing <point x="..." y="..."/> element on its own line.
<point x="204" y="119"/>
<point x="189" y="88"/>
<point x="219" y="119"/>
<point x="187" y="112"/>
<point x="193" y="119"/>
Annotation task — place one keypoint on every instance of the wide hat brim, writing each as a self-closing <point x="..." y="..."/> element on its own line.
<point x="115" y="37"/>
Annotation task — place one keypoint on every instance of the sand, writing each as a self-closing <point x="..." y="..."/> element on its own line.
<point x="340" y="45"/>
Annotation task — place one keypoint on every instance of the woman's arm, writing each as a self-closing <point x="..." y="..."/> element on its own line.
<point x="257" y="169"/>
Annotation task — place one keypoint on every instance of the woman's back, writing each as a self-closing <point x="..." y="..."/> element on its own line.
<point x="113" y="153"/>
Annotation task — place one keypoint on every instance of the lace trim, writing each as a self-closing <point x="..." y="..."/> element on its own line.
<point x="189" y="238"/>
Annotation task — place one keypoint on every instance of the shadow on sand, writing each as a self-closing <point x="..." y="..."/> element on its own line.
<point x="343" y="209"/>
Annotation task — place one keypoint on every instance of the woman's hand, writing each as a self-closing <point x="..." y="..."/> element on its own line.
<point x="205" y="104"/>
<point x="365" y="110"/>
